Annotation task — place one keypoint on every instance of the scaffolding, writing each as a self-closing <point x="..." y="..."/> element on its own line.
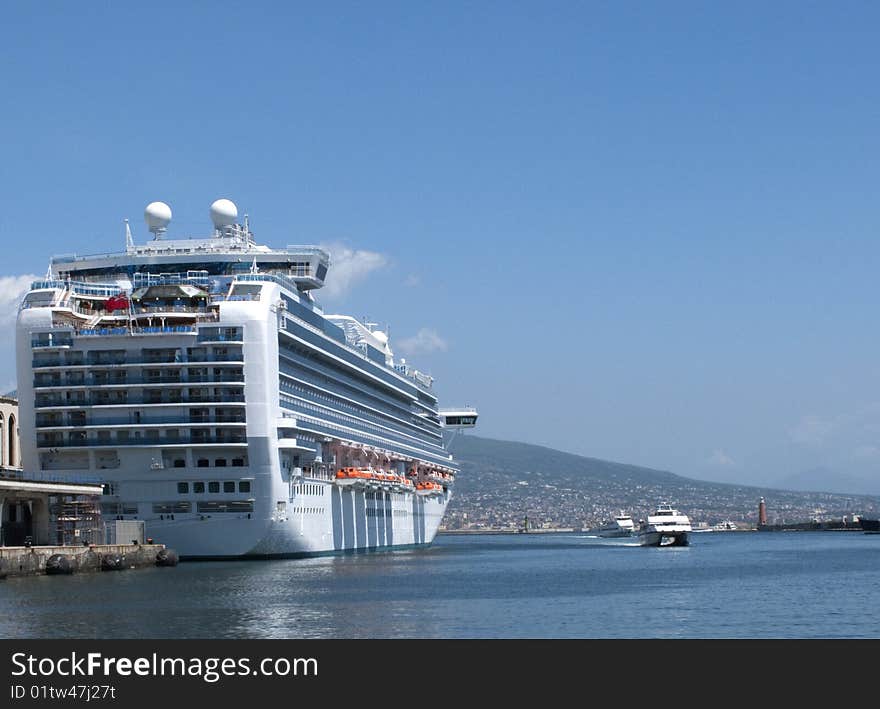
<point x="77" y="520"/>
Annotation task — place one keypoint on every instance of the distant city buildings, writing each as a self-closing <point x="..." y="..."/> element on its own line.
<point x="486" y="500"/>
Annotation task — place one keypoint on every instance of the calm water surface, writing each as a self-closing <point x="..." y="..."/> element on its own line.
<point x="725" y="585"/>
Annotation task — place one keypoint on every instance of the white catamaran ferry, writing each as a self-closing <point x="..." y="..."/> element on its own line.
<point x="202" y="383"/>
<point x="666" y="527"/>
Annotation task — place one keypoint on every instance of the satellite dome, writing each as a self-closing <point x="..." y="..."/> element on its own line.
<point x="381" y="336"/>
<point x="157" y="215"/>
<point x="223" y="213"/>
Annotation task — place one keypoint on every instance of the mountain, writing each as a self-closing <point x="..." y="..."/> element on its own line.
<point x="492" y="455"/>
<point x="503" y="482"/>
<point x="824" y="479"/>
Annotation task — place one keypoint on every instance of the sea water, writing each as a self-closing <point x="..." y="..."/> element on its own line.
<point x="724" y="585"/>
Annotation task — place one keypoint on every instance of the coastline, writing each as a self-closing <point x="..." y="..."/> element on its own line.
<point x="555" y="530"/>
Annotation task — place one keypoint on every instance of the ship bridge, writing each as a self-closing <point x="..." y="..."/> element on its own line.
<point x="463" y="417"/>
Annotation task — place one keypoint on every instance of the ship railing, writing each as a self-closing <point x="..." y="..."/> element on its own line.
<point x="217" y="360"/>
<point x="327" y="377"/>
<point x="42" y="477"/>
<point x="381" y="432"/>
<point x="218" y="337"/>
<point x="423" y="379"/>
<point x="160" y="308"/>
<point x="426" y="380"/>
<point x="47" y="283"/>
<point x="196" y="278"/>
<point x="146" y="440"/>
<point x="281" y="280"/>
<point x="209" y="400"/>
<point x="421" y="449"/>
<point x="106" y="331"/>
<point x="101" y="291"/>
<point x="144" y="421"/>
<point x="102" y="332"/>
<point x="398" y="420"/>
<point x="52" y="342"/>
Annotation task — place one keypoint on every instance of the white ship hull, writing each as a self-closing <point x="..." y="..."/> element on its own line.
<point x="346" y="522"/>
<point x="610" y="532"/>
<point x="615" y="533"/>
<point x="671" y="538"/>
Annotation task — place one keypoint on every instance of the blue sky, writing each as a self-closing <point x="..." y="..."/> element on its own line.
<point x="646" y="232"/>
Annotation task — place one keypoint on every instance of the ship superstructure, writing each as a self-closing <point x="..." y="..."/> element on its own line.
<point x="200" y="380"/>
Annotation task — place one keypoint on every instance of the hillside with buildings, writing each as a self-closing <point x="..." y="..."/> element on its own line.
<point x="503" y="482"/>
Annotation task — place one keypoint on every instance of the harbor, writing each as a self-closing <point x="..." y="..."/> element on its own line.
<point x="53" y="526"/>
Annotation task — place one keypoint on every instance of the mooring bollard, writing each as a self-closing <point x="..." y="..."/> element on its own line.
<point x="60" y="564"/>
<point x="166" y="557"/>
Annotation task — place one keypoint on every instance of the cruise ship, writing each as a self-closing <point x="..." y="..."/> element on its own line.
<point x="201" y="382"/>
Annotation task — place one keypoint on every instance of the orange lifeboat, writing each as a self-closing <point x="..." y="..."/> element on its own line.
<point x="428" y="488"/>
<point x="349" y="477"/>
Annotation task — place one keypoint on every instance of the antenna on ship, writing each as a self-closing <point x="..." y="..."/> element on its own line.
<point x="157" y="215"/>
<point x="129" y="242"/>
<point x="49" y="275"/>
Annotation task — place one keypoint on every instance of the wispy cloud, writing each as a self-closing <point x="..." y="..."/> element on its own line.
<point x="811" y="430"/>
<point x="348" y="267"/>
<point x="866" y="452"/>
<point x="412" y="280"/>
<point x="12" y="290"/>
<point x="719" y="457"/>
<point x="424" y="341"/>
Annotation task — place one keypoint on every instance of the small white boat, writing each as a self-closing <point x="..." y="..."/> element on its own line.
<point x="725" y="526"/>
<point x="667" y="527"/>
<point x="621" y="526"/>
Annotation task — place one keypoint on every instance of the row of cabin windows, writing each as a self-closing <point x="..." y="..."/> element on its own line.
<point x="218" y="463"/>
<point x="228" y="486"/>
<point x="184" y="507"/>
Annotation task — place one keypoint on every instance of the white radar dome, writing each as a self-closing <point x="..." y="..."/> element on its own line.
<point x="223" y="213"/>
<point x="157" y="215"/>
<point x="381" y="336"/>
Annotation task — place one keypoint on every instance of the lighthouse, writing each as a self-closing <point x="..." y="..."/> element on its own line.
<point x="762" y="513"/>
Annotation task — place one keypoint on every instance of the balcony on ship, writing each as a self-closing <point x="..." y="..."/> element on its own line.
<point x="106" y="439"/>
<point x="124" y="378"/>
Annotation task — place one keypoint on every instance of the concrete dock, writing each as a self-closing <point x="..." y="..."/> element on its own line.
<point x="36" y="560"/>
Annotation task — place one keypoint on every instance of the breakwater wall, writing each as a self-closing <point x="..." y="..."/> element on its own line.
<point x="31" y="561"/>
<point x="811" y="527"/>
